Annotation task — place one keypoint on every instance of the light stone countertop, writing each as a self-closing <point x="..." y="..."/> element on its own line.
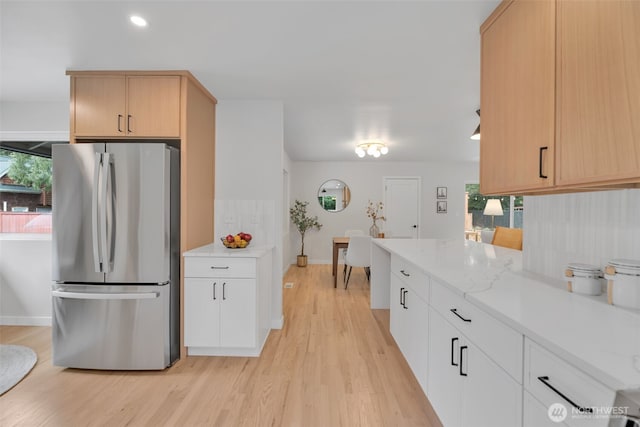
<point x="216" y="249"/>
<point x="600" y="339"/>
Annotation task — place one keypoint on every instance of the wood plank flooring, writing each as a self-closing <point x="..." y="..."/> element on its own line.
<point x="333" y="364"/>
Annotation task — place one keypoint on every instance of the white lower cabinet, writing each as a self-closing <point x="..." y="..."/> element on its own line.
<point x="536" y="415"/>
<point x="409" y="319"/>
<point x="577" y="397"/>
<point x="227" y="304"/>
<point x="465" y="387"/>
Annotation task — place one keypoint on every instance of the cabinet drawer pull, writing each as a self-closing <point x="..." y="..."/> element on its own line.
<point x="402" y="297"/>
<point x="119" y="119"/>
<point x="404" y="274"/>
<point x="462" y="348"/>
<point x="455" y="311"/>
<point x="129" y="123"/>
<point x="453" y="341"/>
<point x="214" y="290"/>
<point x="546" y="381"/>
<point x="540" y="174"/>
<point x="404" y="294"/>
<point x="224" y="296"/>
<point x="213" y="267"/>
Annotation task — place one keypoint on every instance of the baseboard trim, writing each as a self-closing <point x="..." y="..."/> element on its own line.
<point x="277" y="323"/>
<point x="25" y="320"/>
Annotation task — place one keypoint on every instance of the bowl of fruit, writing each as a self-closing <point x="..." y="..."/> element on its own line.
<point x="236" y="241"/>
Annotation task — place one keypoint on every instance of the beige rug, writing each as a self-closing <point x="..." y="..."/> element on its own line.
<point x="16" y="361"/>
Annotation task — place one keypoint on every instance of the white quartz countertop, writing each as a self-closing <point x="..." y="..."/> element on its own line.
<point x="216" y="249"/>
<point x="600" y="339"/>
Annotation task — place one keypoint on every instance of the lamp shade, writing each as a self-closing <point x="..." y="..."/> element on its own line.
<point x="493" y="207"/>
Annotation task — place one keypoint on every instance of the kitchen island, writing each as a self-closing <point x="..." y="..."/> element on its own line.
<point x="522" y="323"/>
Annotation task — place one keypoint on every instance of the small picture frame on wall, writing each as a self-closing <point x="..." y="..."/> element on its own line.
<point x="441" y="193"/>
<point x="441" y="207"/>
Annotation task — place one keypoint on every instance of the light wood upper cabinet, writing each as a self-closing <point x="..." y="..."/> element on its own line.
<point x="565" y="75"/>
<point x="126" y="106"/>
<point x="517" y="99"/>
<point x="598" y="97"/>
<point x="98" y="104"/>
<point x="153" y="106"/>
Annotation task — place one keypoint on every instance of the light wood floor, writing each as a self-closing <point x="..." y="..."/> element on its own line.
<point x="333" y="364"/>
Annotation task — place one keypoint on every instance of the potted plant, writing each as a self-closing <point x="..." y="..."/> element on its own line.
<point x="303" y="223"/>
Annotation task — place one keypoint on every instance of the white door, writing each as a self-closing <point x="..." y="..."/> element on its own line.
<point x="402" y="207"/>
<point x="202" y="312"/>
<point x="444" y="382"/>
<point x="490" y="397"/>
<point x="418" y="323"/>
<point x="238" y="313"/>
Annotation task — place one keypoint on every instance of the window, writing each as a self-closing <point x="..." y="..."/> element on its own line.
<point x="512" y="207"/>
<point x="25" y="187"/>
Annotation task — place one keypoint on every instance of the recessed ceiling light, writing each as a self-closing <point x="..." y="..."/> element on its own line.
<point x="138" y="20"/>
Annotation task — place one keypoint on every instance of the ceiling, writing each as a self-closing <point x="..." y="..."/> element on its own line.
<point x="404" y="72"/>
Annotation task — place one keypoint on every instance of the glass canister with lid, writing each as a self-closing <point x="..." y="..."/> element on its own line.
<point x="623" y="283"/>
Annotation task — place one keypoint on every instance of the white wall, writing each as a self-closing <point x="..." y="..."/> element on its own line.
<point x="25" y="280"/>
<point x="34" y="120"/>
<point x="249" y="165"/>
<point x="365" y="178"/>
<point x="591" y="228"/>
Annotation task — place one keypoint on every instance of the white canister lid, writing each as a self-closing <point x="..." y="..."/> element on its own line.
<point x="626" y="266"/>
<point x="584" y="270"/>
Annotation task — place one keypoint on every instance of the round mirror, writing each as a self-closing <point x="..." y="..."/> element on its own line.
<point x="334" y="195"/>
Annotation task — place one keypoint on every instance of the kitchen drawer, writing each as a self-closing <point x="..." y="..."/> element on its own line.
<point x="544" y="370"/>
<point x="219" y="267"/>
<point x="501" y="343"/>
<point x="411" y="276"/>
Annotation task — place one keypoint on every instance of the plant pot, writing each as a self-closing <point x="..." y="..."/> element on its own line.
<point x="302" y="260"/>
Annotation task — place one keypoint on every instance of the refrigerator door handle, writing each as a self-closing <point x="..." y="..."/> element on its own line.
<point x="105" y="296"/>
<point x="95" y="217"/>
<point x="104" y="243"/>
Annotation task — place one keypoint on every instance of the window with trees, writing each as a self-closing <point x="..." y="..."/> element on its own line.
<point x="25" y="192"/>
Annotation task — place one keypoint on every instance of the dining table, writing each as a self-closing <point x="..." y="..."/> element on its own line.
<point x="338" y="243"/>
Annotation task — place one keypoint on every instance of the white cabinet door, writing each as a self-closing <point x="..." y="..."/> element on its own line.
<point x="417" y="343"/>
<point x="536" y="415"/>
<point x="490" y="397"/>
<point x="444" y="380"/>
<point x="238" y="313"/>
<point x="202" y="312"/>
<point x="397" y="314"/>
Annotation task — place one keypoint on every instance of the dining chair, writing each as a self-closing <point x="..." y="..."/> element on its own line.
<point x="358" y="255"/>
<point x="508" y="238"/>
<point x="349" y="233"/>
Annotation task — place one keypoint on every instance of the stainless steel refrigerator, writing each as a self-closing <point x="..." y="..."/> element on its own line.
<point x="116" y="257"/>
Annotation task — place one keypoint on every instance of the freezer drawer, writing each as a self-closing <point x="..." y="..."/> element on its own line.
<point x="111" y="327"/>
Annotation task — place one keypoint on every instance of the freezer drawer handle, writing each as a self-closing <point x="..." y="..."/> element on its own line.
<point x="213" y="267"/>
<point x="546" y="381"/>
<point x="107" y="296"/>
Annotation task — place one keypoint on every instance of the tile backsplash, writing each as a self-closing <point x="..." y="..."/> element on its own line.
<point x="590" y="227"/>
<point x="256" y="217"/>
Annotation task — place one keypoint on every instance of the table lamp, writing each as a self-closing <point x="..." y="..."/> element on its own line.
<point x="493" y="208"/>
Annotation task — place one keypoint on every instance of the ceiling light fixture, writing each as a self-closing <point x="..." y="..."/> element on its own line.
<point x="138" y="20"/>
<point x="372" y="148"/>
<point x="476" y="134"/>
